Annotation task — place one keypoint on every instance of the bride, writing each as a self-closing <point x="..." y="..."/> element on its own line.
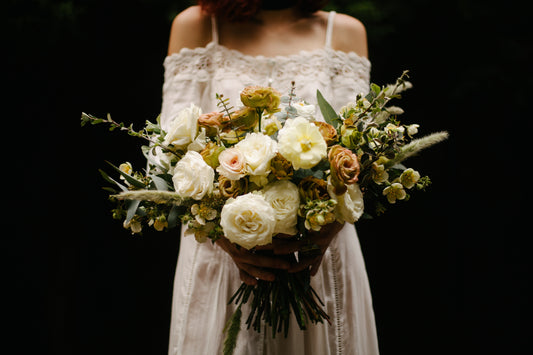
<point x="221" y="46"/>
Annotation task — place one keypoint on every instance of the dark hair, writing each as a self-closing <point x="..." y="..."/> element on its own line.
<point x="240" y="10"/>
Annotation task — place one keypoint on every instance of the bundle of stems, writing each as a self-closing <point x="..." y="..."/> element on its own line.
<point x="271" y="305"/>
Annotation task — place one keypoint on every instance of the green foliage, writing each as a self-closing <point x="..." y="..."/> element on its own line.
<point x="329" y="114"/>
<point x="232" y="329"/>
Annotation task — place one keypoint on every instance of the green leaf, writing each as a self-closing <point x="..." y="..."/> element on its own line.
<point x="375" y="88"/>
<point x="159" y="183"/>
<point x="112" y="181"/>
<point x="129" y="178"/>
<point x="330" y="116"/>
<point x="173" y="217"/>
<point x="132" y="208"/>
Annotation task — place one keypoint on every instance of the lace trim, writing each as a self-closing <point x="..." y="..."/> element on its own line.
<point x="203" y="63"/>
<point x="339" y="333"/>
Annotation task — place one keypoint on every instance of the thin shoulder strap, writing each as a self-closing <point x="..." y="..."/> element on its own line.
<point x="329" y="30"/>
<point x="214" y="29"/>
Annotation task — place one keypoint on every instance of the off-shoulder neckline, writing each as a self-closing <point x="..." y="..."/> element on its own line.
<point x="302" y="53"/>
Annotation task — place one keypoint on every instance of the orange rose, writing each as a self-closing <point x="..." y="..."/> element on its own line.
<point x="232" y="188"/>
<point x="262" y="97"/>
<point x="312" y="188"/>
<point x="243" y="119"/>
<point x="327" y="131"/>
<point x="281" y="168"/>
<point x="212" y="121"/>
<point x="344" y="168"/>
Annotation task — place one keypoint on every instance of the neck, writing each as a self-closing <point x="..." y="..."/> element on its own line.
<point x="277" y="4"/>
<point x="281" y="16"/>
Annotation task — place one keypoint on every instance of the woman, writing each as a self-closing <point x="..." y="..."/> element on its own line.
<point x="221" y="47"/>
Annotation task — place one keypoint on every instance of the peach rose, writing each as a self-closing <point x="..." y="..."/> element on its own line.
<point x="344" y="168"/>
<point x="232" y="163"/>
<point x="212" y="122"/>
<point x="327" y="131"/>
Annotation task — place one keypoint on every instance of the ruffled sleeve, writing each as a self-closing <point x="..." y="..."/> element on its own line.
<point x="188" y="78"/>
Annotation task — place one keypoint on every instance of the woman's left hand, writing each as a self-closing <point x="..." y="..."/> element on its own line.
<point x="322" y="239"/>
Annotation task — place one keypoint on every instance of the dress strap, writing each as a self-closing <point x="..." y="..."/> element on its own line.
<point x="214" y="29"/>
<point x="329" y="30"/>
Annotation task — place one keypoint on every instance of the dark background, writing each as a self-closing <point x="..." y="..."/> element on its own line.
<point x="450" y="271"/>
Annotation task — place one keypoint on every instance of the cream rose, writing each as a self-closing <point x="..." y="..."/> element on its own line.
<point x="248" y="220"/>
<point x="301" y="143"/>
<point x="232" y="164"/>
<point x="258" y="149"/>
<point x="284" y="198"/>
<point x="184" y="127"/>
<point x="350" y="205"/>
<point x="193" y="177"/>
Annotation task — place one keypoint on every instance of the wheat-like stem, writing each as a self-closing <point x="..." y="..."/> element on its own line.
<point x="416" y="146"/>
<point x="156" y="196"/>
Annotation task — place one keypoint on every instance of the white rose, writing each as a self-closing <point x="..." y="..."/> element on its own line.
<point x="248" y="220"/>
<point x="199" y="142"/>
<point x="184" y="127"/>
<point x="284" y="198"/>
<point x="306" y="111"/>
<point x="301" y="143"/>
<point x="163" y="161"/>
<point x="258" y="150"/>
<point x="350" y="205"/>
<point x="232" y="164"/>
<point x="193" y="177"/>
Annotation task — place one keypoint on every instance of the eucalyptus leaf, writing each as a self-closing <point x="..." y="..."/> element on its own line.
<point x="329" y="114"/>
<point x="159" y="183"/>
<point x="173" y="217"/>
<point x="132" y="206"/>
<point x="110" y="189"/>
<point x="128" y="177"/>
<point x="112" y="181"/>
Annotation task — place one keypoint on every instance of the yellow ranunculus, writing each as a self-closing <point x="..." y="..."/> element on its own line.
<point x="262" y="97"/>
<point x="301" y="143"/>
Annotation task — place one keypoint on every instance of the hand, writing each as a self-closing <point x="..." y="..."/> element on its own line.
<point x="253" y="266"/>
<point x="322" y="239"/>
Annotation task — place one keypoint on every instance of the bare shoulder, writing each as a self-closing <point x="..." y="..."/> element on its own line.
<point x="349" y="35"/>
<point x="191" y="28"/>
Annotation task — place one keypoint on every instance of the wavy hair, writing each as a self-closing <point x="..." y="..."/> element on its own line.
<point x="241" y="10"/>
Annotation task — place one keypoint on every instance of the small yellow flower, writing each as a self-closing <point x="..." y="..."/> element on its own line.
<point x="125" y="168"/>
<point x="379" y="174"/>
<point x="203" y="213"/>
<point x="160" y="223"/>
<point x="409" y="178"/>
<point x="134" y="225"/>
<point x="394" y="192"/>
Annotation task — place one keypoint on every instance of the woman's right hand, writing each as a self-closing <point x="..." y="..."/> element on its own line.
<point x="253" y="266"/>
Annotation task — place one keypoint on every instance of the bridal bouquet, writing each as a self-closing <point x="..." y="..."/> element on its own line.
<point x="269" y="170"/>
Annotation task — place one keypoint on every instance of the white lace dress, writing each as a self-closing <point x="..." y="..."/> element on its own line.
<point x="206" y="277"/>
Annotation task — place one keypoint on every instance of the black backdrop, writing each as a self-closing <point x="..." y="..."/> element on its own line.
<point x="449" y="271"/>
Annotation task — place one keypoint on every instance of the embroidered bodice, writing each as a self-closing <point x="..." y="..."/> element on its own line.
<point x="196" y="75"/>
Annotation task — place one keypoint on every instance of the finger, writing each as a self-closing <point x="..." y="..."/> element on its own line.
<point x="315" y="266"/>
<point x="262" y="261"/>
<point x="284" y="247"/>
<point x="246" y="278"/>
<point x="256" y="272"/>
<point x="304" y="263"/>
<point x="264" y="247"/>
